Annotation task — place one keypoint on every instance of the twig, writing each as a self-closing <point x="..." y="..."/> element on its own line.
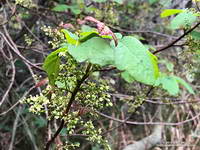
<point x="38" y="50"/>
<point x="150" y="140"/>
<point x="2" y="51"/>
<point x="156" y="100"/>
<point x="106" y="69"/>
<point x="150" y="122"/>
<point x="175" y="45"/>
<point x="149" y="91"/>
<point x="28" y="131"/>
<point x="58" y="139"/>
<point x="12" y="79"/>
<point x="18" y="102"/>
<point x="142" y="31"/>
<point x="12" y="14"/>
<point x="196" y="3"/>
<point x="26" y="127"/>
<point x="178" y="39"/>
<point x="14" y="128"/>
<point x="27" y="28"/>
<point x="27" y="80"/>
<point x="172" y="103"/>
<point x="12" y="45"/>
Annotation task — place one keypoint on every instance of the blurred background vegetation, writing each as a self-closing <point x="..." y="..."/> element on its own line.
<point x="24" y="45"/>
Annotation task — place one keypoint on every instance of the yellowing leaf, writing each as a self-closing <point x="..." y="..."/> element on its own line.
<point x="169" y="12"/>
<point x="70" y="37"/>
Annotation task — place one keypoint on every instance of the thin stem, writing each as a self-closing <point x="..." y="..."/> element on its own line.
<point x="149" y="122"/>
<point x="178" y="39"/>
<point x="196" y="3"/>
<point x="73" y="96"/>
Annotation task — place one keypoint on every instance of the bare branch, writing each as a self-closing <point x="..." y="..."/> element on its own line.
<point x="150" y="122"/>
<point x="18" y="102"/>
<point x="12" y="79"/>
<point x="176" y="40"/>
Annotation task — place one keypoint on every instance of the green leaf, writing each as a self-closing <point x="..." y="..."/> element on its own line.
<point x="75" y="9"/>
<point x="70" y="37"/>
<point x="185" y="84"/>
<point x="168" y="83"/>
<point x="152" y="1"/>
<point x="138" y="63"/>
<point x="130" y="56"/>
<point x="118" y="35"/>
<point x="169" y="12"/>
<point x="95" y="50"/>
<point x="195" y="35"/>
<point x="182" y="20"/>
<point x="61" y="7"/>
<point x="118" y="1"/>
<point x="127" y="77"/>
<point x="88" y="35"/>
<point x="52" y="63"/>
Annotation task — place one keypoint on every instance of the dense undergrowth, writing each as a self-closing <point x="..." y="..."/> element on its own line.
<point x="99" y="74"/>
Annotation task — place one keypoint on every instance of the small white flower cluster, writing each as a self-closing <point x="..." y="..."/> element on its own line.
<point x="36" y="103"/>
<point x="55" y="34"/>
<point x="70" y="146"/>
<point x="73" y="121"/>
<point x="95" y="135"/>
<point x="25" y="3"/>
<point x="28" y="39"/>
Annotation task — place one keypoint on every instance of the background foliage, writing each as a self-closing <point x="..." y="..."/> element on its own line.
<point x="160" y="101"/>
